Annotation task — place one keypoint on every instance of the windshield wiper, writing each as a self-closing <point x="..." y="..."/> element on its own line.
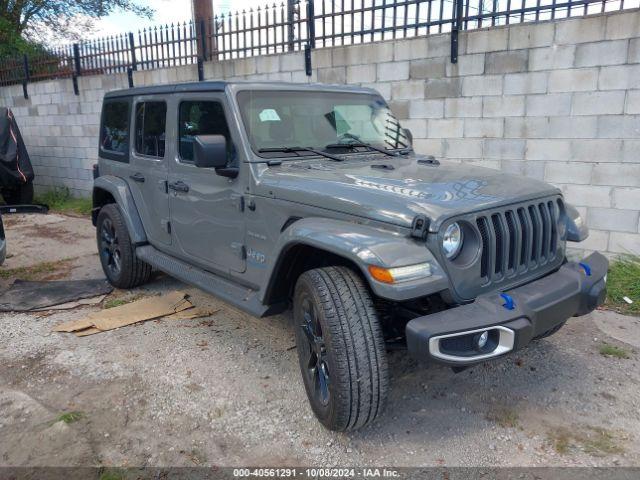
<point x="358" y="142"/>
<point x="300" y="149"/>
<point x="352" y="145"/>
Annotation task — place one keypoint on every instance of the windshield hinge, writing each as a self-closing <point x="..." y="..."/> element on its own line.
<point x="238" y="201"/>
<point x="420" y="227"/>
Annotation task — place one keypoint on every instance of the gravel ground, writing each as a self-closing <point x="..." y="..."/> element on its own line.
<point x="226" y="390"/>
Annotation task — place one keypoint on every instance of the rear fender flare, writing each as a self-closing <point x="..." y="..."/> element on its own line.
<point x="121" y="193"/>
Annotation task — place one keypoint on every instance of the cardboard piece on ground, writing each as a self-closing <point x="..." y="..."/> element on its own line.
<point x="130" y="313"/>
<point x="69" y="305"/>
<point x="188" y="314"/>
<point x="192" y="313"/>
<point x="74" y="325"/>
<point x="87" y="331"/>
<point x="145" y="309"/>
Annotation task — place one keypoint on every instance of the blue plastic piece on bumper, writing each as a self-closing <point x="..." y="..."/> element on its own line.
<point x="586" y="268"/>
<point x="508" y="301"/>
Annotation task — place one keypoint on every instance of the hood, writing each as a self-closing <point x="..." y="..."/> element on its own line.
<point x="365" y="186"/>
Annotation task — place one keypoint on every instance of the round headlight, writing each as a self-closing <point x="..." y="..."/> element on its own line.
<point x="452" y="241"/>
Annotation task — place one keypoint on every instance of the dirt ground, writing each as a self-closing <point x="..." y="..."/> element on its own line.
<point x="226" y="390"/>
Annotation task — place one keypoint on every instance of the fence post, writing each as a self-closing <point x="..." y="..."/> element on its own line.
<point x="27" y="76"/>
<point x="307" y="60"/>
<point x="311" y="25"/>
<point x="203" y="38"/>
<point x="76" y="68"/>
<point x="290" y="26"/>
<point x="456" y="26"/>
<point x="132" y="50"/>
<point x="76" y="59"/>
<point x="202" y="33"/>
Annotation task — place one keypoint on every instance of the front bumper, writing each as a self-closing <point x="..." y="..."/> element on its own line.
<point x="512" y="319"/>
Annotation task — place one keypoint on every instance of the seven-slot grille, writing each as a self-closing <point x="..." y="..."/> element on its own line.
<point x="518" y="239"/>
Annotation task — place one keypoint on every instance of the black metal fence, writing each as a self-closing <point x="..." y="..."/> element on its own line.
<point x="291" y="26"/>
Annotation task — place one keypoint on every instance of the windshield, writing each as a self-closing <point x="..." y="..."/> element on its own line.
<point x="318" y="120"/>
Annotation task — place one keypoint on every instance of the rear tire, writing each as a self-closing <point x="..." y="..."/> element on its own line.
<point x="119" y="262"/>
<point x="340" y="348"/>
<point x="20" y="195"/>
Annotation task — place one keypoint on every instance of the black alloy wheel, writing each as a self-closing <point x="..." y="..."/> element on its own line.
<point x="110" y="248"/>
<point x="315" y="357"/>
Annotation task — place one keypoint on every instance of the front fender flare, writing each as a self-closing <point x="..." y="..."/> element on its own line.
<point x="121" y="193"/>
<point x="364" y="245"/>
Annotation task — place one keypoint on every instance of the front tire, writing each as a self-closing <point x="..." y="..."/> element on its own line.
<point x="340" y="348"/>
<point x="119" y="262"/>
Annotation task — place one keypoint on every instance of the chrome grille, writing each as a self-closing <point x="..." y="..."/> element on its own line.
<point x="518" y="239"/>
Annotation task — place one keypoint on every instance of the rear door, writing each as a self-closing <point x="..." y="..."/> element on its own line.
<point x="148" y="166"/>
<point x="206" y="218"/>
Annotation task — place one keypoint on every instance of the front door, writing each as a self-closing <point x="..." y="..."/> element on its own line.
<point x="206" y="218"/>
<point x="148" y="171"/>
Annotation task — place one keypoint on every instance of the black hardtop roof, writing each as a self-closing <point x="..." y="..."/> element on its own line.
<point x="220" y="86"/>
<point x="171" y="88"/>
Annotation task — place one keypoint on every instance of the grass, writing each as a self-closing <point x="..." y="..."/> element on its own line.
<point x="623" y="280"/>
<point x="40" y="271"/>
<point x="561" y="440"/>
<point x="118" y="301"/>
<point x="69" y="417"/>
<point x="595" y="441"/>
<point x="600" y="441"/>
<point x="503" y="416"/>
<point x="61" y="201"/>
<point x="114" y="302"/>
<point x="607" y="350"/>
<point x="111" y="475"/>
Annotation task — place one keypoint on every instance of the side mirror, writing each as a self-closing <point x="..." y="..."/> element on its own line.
<point x="210" y="151"/>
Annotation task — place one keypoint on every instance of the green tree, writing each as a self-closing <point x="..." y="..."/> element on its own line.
<point x="25" y="24"/>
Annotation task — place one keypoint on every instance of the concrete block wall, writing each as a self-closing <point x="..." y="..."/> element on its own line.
<point x="557" y="101"/>
<point x="60" y="129"/>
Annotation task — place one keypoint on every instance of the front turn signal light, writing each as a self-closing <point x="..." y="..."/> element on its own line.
<point x="400" y="274"/>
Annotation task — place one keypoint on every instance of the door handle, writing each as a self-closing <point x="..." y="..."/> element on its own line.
<point x="179" y="186"/>
<point x="137" y="177"/>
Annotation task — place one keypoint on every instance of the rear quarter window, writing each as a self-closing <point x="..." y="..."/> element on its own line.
<point x="150" y="128"/>
<point x="114" y="130"/>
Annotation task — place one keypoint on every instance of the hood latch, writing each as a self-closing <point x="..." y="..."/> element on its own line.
<point x="420" y="227"/>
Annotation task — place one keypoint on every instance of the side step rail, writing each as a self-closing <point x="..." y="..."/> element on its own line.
<point x="243" y="298"/>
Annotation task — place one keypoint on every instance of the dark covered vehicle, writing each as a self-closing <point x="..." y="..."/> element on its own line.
<point x="16" y="172"/>
<point x="273" y="196"/>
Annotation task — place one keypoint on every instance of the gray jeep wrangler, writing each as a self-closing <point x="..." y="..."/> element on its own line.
<point x="272" y="196"/>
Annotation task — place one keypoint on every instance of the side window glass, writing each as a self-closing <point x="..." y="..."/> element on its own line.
<point x="114" y="136"/>
<point x="201" y="118"/>
<point x="150" y="128"/>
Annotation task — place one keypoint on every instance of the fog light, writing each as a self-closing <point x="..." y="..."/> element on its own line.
<point x="481" y="340"/>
